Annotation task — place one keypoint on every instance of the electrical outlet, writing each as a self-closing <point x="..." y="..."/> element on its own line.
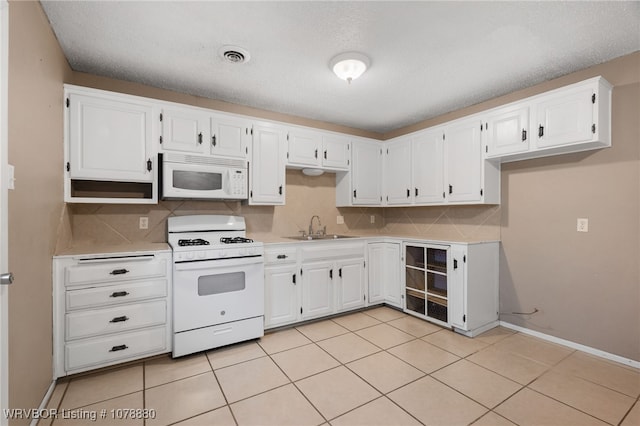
<point x="372" y="218"/>
<point x="583" y="224"/>
<point x="340" y="220"/>
<point x="144" y="222"/>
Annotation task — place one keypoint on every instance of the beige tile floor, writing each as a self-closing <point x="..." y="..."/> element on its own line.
<point x="377" y="367"/>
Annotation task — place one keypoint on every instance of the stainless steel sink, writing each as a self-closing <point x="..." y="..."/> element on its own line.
<point x="319" y="237"/>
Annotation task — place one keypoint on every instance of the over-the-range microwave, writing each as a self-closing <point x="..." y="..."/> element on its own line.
<point x="184" y="176"/>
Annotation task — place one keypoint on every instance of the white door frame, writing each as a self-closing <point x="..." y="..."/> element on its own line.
<point x="4" y="340"/>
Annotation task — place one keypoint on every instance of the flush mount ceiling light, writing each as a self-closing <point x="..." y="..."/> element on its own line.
<point x="349" y="66"/>
<point x="234" y="54"/>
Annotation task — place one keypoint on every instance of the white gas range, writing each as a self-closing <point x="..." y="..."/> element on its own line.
<point x="218" y="283"/>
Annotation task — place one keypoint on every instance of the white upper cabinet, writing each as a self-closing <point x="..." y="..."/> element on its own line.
<point x="304" y="148"/>
<point x="109" y="138"/>
<point x="428" y="167"/>
<point x="569" y="119"/>
<point x="507" y="131"/>
<point x="335" y="152"/>
<point x="185" y="130"/>
<point x="397" y="172"/>
<point x="267" y="166"/>
<point x="566" y="117"/>
<point x="310" y="148"/>
<point x="366" y="173"/>
<point x="463" y="161"/>
<point x="230" y="136"/>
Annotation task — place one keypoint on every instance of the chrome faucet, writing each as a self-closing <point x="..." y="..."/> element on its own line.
<point x="320" y="231"/>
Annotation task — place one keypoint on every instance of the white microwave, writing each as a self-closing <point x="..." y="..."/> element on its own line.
<point x="202" y="178"/>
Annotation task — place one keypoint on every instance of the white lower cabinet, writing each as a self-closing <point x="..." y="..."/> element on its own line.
<point x="384" y="273"/>
<point x="317" y="289"/>
<point x="350" y="285"/>
<point x="454" y="285"/>
<point x="281" y="295"/>
<point x="110" y="308"/>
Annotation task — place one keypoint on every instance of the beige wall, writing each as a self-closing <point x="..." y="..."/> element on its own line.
<point x="36" y="69"/>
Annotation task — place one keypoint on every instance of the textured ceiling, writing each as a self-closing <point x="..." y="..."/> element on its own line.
<point x="427" y="58"/>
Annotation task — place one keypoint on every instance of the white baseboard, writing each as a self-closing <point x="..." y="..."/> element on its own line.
<point x="573" y="345"/>
<point x="45" y="401"/>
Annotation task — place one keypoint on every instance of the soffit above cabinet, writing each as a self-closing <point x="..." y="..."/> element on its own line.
<point x="427" y="58"/>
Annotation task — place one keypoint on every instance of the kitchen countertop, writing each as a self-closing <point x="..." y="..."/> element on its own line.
<point x="273" y="239"/>
<point x="89" y="248"/>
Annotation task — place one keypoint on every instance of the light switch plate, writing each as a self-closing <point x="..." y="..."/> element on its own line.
<point x="340" y="220"/>
<point x="144" y="222"/>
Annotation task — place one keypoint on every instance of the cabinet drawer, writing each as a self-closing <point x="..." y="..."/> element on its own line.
<point x="333" y="251"/>
<point x="115" y="294"/>
<point x="97" y="322"/>
<point x="281" y="255"/>
<point x="110" y="271"/>
<point x="101" y="351"/>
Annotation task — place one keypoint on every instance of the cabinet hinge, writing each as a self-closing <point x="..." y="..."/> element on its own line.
<point x="593" y="128"/>
<point x="464" y="318"/>
<point x="287" y="155"/>
<point x="160" y="116"/>
<point x="300" y="271"/>
<point x="486" y="148"/>
<point x="68" y="102"/>
<point x="380" y="151"/>
<point x="251" y="193"/>
<point x="464" y="258"/>
<point x="149" y="165"/>
<point x="348" y="162"/>
<point x="387" y="151"/>
<point x="68" y="166"/>
<point x="300" y="309"/>
<point x="481" y="192"/>
<point x="246" y="150"/>
<point x="294" y="278"/>
<point x="364" y="264"/>
<point x="287" y="136"/>
<point x="443" y="136"/>
<point x="160" y="139"/>
<point x="593" y="98"/>
<point x="364" y="297"/>
<point x="251" y="130"/>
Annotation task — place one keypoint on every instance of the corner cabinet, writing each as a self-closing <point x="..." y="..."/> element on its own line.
<point x="454" y="285"/>
<point x="110" y="308"/>
<point x="267" y="165"/>
<point x="109" y="155"/>
<point x="362" y="185"/>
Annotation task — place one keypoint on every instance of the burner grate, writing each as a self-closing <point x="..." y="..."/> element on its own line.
<point x="235" y="240"/>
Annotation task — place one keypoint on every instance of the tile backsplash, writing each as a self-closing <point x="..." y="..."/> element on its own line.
<point x="113" y="224"/>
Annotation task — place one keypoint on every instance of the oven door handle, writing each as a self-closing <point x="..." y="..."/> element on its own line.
<point x="217" y="263"/>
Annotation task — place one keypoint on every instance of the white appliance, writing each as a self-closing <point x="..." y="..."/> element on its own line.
<point x="218" y="283"/>
<point x="198" y="177"/>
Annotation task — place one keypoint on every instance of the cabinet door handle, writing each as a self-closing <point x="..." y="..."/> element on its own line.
<point x="354" y="194"/>
<point x="450" y="189"/>
<point x="331" y="273"/>
<point x="524" y="135"/>
<point x="408" y="193"/>
<point x="316" y="154"/>
<point x="416" y="192"/>
<point x="280" y="190"/>
<point x="294" y="278"/>
<point x="325" y="154"/>
<point x="200" y="138"/>
<point x="118" y="271"/>
<point x="213" y="140"/>
<point x="340" y="272"/>
<point x="119" y="294"/>
<point x="149" y="165"/>
<point x="455" y="264"/>
<point x="118" y="348"/>
<point x="120" y="319"/>
<point x="282" y="256"/>
<point x="541" y="131"/>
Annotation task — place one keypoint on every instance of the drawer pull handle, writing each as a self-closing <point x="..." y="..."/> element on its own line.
<point x="119" y="271"/>
<point x="118" y="348"/>
<point x="120" y="319"/>
<point x="282" y="256"/>
<point x="119" y="294"/>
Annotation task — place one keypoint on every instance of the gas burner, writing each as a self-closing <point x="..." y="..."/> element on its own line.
<point x="193" y="242"/>
<point x="235" y="240"/>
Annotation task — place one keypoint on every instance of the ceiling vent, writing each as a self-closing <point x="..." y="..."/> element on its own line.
<point x="234" y="54"/>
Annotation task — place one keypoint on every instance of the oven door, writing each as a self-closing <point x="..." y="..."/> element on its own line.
<point x="214" y="292"/>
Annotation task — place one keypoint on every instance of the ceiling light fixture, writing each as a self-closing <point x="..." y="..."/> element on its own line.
<point x="349" y="66"/>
